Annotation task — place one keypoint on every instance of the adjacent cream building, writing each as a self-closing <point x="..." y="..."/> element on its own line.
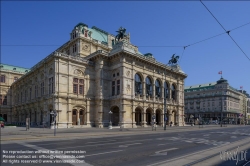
<point x="93" y="74"/>
<point x="8" y="75"/>
<point x="215" y="101"/>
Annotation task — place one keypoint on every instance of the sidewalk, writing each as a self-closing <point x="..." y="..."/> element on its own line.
<point x="20" y="133"/>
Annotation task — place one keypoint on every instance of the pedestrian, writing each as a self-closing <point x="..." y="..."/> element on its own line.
<point x="171" y="123"/>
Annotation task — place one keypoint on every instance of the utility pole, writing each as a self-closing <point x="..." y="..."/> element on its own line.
<point x="165" y="102"/>
<point x="221" y="111"/>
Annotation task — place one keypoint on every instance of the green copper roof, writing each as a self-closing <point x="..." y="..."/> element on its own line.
<point x="99" y="34"/>
<point x="201" y="86"/>
<point x="14" y="68"/>
<point x="81" y="24"/>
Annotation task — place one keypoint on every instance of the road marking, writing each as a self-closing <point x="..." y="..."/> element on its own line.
<point x="100" y="144"/>
<point x="100" y="141"/>
<point x="103" y="153"/>
<point x="124" y="146"/>
<point x="78" y="162"/>
<point x="163" y="152"/>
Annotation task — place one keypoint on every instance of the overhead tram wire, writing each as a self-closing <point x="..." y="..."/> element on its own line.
<point x="142" y="46"/>
<point x="226" y="30"/>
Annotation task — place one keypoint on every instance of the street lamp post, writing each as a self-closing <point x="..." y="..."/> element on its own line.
<point x="165" y="102"/>
<point x="110" y="123"/>
<point x="221" y="112"/>
<point x="55" y="114"/>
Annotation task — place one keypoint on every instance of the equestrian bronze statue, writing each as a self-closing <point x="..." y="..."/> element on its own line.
<point x="173" y="60"/>
<point x="121" y="34"/>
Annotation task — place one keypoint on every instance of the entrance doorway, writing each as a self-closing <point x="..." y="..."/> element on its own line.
<point x="74" y="120"/>
<point x="115" y="116"/>
<point x="148" y="116"/>
<point x="138" y="116"/>
<point x="82" y="117"/>
<point x="158" y="117"/>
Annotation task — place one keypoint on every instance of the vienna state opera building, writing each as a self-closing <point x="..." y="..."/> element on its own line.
<point x="91" y="80"/>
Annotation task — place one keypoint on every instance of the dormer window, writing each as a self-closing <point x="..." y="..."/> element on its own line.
<point x="74" y="48"/>
<point x="15" y="78"/>
<point x="86" y="33"/>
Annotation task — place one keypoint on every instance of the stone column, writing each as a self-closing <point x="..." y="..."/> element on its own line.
<point x="144" y="118"/>
<point x="88" y="113"/>
<point x="133" y="116"/>
<point x="162" y="119"/>
<point x="153" y="89"/>
<point x="100" y="114"/>
<point x="77" y="117"/>
<point x="143" y="90"/>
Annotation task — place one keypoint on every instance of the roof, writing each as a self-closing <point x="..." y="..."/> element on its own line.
<point x="200" y="86"/>
<point x="14" y="68"/>
<point x="99" y="34"/>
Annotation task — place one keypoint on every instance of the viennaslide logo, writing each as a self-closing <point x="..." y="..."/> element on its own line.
<point x="234" y="155"/>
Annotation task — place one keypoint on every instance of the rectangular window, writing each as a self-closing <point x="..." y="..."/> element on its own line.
<point x="15" y="78"/>
<point x="5" y="100"/>
<point x="21" y="96"/>
<point x="42" y="88"/>
<point x="30" y="93"/>
<point x="25" y="95"/>
<point x="81" y="81"/>
<point x="2" y="78"/>
<point x="113" y="88"/>
<point x="78" y="86"/>
<point x="51" y="85"/>
<point x="36" y="91"/>
<point x="75" y="88"/>
<point x="118" y="87"/>
<point x="80" y="89"/>
<point x="75" y="80"/>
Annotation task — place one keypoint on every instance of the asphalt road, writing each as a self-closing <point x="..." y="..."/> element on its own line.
<point x="131" y="150"/>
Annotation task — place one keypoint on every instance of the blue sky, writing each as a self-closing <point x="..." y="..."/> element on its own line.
<point x="152" y="26"/>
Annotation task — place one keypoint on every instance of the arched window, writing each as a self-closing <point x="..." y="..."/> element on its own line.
<point x="138" y="84"/>
<point x="165" y="90"/>
<point x="173" y="92"/>
<point x="157" y="88"/>
<point x="148" y="87"/>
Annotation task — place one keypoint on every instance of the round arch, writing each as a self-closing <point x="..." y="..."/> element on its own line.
<point x="175" y="116"/>
<point x="158" y="88"/>
<point x="115" y="117"/>
<point x="149" y="114"/>
<point x="149" y="85"/>
<point x="138" y="81"/>
<point x="158" y="114"/>
<point x="173" y="91"/>
<point x="138" y="115"/>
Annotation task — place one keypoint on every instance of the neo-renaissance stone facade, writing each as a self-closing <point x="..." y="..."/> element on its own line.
<point x="93" y="74"/>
